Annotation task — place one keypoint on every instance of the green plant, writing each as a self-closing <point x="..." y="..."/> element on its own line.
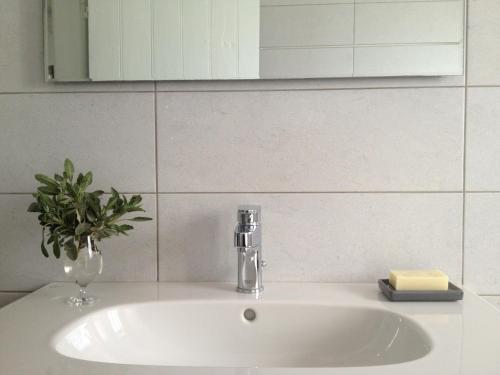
<point x="69" y="213"/>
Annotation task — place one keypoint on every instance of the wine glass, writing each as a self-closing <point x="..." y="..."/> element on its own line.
<point x="83" y="270"/>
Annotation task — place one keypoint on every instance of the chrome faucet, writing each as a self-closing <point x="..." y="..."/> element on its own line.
<point x="248" y="242"/>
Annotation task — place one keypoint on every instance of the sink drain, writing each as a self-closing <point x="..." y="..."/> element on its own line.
<point x="249" y="315"/>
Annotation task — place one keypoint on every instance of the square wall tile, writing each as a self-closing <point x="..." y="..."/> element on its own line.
<point x="482" y="242"/>
<point x="6" y="298"/>
<point x="483" y="139"/>
<point x="483" y="42"/>
<point x="312" y="237"/>
<point x="111" y="134"/>
<point x="303" y="141"/>
<point x="21" y="60"/>
<point x="24" y="268"/>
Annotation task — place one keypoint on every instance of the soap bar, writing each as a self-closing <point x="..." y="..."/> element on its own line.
<point x="418" y="280"/>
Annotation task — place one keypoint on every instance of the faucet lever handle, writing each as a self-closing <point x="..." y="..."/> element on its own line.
<point x="249" y="214"/>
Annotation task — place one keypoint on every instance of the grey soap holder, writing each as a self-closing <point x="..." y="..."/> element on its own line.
<point x="454" y="293"/>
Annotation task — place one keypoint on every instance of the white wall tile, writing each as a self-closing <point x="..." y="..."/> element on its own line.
<point x="21" y="59"/>
<point x="24" y="268"/>
<point x="483" y="42"/>
<point x="311" y="141"/>
<point x="312" y="237"/>
<point x="6" y="298"/>
<point x="482" y="242"/>
<point x="111" y="134"/>
<point x="483" y="139"/>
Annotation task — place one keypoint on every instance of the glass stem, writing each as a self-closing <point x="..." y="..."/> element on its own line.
<point x="83" y="294"/>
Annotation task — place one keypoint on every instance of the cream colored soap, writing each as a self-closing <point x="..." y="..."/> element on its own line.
<point x="418" y="280"/>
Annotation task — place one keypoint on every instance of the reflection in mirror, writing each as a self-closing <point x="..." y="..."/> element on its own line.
<point x="117" y="40"/>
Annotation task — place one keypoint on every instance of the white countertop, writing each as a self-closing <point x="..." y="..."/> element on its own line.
<point x="465" y="334"/>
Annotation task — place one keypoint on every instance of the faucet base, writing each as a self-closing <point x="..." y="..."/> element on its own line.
<point x="250" y="291"/>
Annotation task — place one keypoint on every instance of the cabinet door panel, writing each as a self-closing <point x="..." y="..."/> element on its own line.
<point x="167" y="39"/>
<point x="136" y="39"/>
<point x="224" y="39"/>
<point x="196" y="38"/>
<point x="70" y="40"/>
<point x="248" y="38"/>
<point x="105" y="40"/>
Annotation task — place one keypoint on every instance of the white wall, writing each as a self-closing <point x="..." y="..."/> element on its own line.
<point x="355" y="176"/>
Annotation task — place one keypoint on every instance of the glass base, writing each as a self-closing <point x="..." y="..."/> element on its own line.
<point x="77" y="301"/>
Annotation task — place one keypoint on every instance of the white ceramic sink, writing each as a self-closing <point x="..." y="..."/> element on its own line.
<point x="216" y="334"/>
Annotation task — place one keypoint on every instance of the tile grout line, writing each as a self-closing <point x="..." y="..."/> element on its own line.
<point x="464" y="161"/>
<point x="314" y="192"/>
<point x="226" y="90"/>
<point x="156" y="188"/>
<point x="292" y="192"/>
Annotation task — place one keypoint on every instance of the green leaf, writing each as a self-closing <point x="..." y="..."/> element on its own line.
<point x="115" y="193"/>
<point x="56" y="249"/>
<point x="81" y="229"/>
<point x="91" y="215"/>
<point x="34" y="207"/>
<point x="135" y="209"/>
<point x="44" y="250"/>
<point x="111" y="202"/>
<point x="79" y="179"/>
<point x="58" y="177"/>
<point x="140" y="218"/>
<point x="88" y="178"/>
<point x="49" y="189"/>
<point x="69" y="169"/>
<point x="136" y="199"/>
<point x="46" y="180"/>
<point x="70" y="249"/>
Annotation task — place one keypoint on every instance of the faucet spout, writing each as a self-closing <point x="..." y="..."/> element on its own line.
<point x="248" y="242"/>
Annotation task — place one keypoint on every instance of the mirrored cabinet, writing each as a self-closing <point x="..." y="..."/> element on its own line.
<point x="172" y="40"/>
<point x="120" y="40"/>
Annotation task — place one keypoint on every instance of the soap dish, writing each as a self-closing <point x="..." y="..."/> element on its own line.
<point x="454" y="293"/>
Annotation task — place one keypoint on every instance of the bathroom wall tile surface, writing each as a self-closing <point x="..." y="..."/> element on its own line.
<point x="483" y="139"/>
<point x="111" y="134"/>
<point x="312" y="237"/>
<point x="297" y="136"/>
<point x="24" y="268"/>
<point x="6" y="298"/>
<point x="349" y="140"/>
<point x="483" y="42"/>
<point x="21" y="59"/>
<point x="482" y="242"/>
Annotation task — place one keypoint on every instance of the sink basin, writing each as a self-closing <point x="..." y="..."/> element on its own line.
<point x="223" y="334"/>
